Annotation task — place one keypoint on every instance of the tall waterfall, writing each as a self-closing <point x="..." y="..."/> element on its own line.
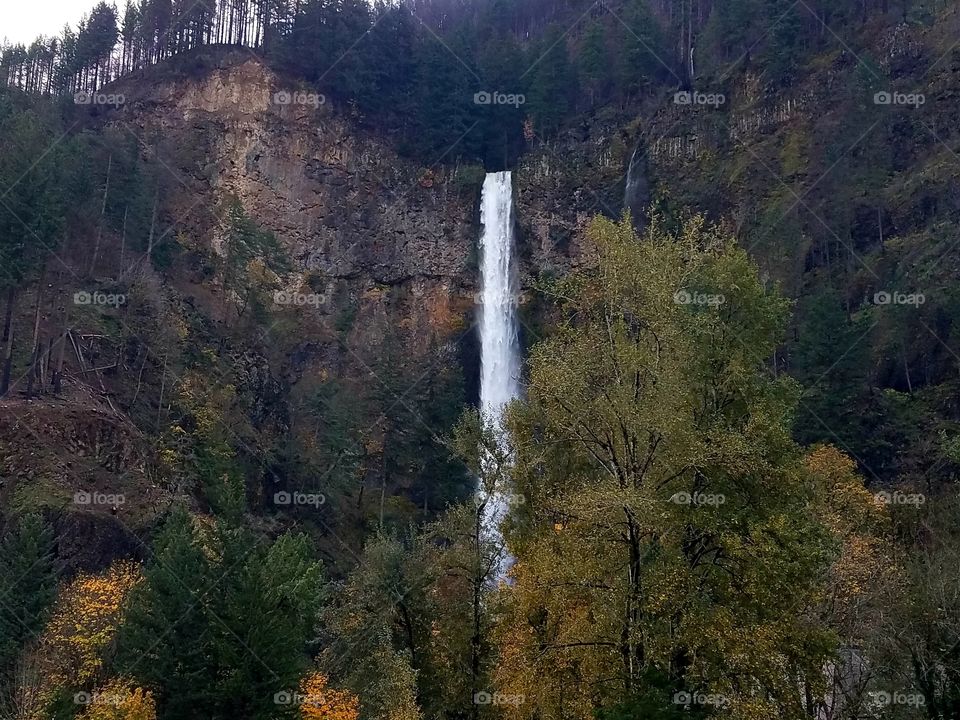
<point x="499" y="346"/>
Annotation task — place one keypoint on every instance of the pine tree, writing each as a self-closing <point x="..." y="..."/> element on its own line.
<point x="32" y="214"/>
<point x="643" y="50"/>
<point x="501" y="63"/>
<point x="95" y="44"/>
<point x="166" y="641"/>
<point x="830" y="357"/>
<point x="447" y="113"/>
<point x="553" y="83"/>
<point x="595" y="63"/>
<point x="222" y="622"/>
<point x="262" y="620"/>
<point x="27" y="587"/>
<point x="784" y="48"/>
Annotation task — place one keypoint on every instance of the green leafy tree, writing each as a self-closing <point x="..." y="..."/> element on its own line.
<point x="667" y="530"/>
<point x="377" y="631"/>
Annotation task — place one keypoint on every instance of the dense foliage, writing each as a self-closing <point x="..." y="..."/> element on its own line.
<point x="723" y="503"/>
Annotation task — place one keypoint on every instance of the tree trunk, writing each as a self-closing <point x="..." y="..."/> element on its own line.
<point x="153" y="223"/>
<point x="34" y="370"/>
<point x="58" y="372"/>
<point x="163" y="386"/>
<point x="9" y="329"/>
<point x="8" y="316"/>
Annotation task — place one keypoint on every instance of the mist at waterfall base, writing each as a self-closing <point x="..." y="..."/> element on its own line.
<point x="499" y="343"/>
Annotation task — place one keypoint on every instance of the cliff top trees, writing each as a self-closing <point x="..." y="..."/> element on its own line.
<point x="95" y="43"/>
<point x="552" y="82"/>
<point x="31" y="200"/>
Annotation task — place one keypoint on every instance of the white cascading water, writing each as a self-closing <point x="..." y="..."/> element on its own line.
<point x="499" y="344"/>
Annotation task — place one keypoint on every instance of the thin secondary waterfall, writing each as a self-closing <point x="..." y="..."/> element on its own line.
<point x="499" y="345"/>
<point x="636" y="191"/>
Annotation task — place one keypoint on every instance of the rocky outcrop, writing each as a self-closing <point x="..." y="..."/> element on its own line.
<point x="341" y="202"/>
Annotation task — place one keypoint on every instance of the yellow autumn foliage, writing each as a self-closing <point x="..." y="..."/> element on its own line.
<point x="325" y="703"/>
<point x="85" y="618"/>
<point x="119" y="700"/>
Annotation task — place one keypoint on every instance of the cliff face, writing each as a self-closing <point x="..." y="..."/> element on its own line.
<point x="348" y="384"/>
<point x="341" y="203"/>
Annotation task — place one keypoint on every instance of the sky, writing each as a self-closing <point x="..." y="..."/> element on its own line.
<point x="22" y="20"/>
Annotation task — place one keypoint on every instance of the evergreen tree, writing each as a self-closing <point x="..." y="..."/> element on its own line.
<point x="95" y="43"/>
<point x="32" y="212"/>
<point x="784" y="50"/>
<point x="262" y="620"/>
<point x="130" y="34"/>
<point x="644" y="52"/>
<point x="27" y="587"/>
<point x="501" y="62"/>
<point x="389" y="57"/>
<point x="222" y="622"/>
<point x="595" y="63"/>
<point x="552" y="83"/>
<point x="166" y="640"/>
<point x="447" y="112"/>
<point x="831" y="359"/>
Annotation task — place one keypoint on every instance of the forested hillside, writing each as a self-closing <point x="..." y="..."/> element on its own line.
<point x="242" y="471"/>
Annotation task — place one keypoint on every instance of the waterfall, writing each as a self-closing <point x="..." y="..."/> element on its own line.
<point x="636" y="191"/>
<point x="499" y="345"/>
